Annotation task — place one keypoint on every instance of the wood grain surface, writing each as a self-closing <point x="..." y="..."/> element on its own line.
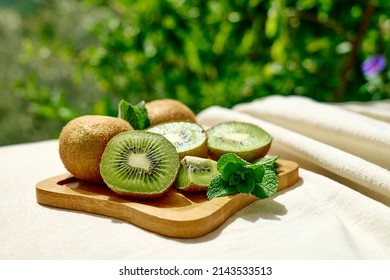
<point x="175" y="214"/>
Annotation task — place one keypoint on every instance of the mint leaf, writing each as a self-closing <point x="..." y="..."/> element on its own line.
<point x="219" y="187"/>
<point x="229" y="171"/>
<point x="247" y="184"/>
<point x="136" y="115"/>
<point x="239" y="176"/>
<point x="235" y="179"/>
<point x="230" y="158"/>
<point x="268" y="186"/>
<point x="228" y="164"/>
<point x="257" y="172"/>
<point x="267" y="162"/>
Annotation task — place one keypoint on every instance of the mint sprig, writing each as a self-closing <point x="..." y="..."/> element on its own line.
<point x="240" y="176"/>
<point x="136" y="115"/>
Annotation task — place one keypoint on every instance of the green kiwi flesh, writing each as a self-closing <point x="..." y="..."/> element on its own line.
<point x="246" y="140"/>
<point x="188" y="138"/>
<point x="140" y="164"/>
<point x="196" y="173"/>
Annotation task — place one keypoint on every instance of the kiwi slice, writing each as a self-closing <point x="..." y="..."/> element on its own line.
<point x="188" y="138"/>
<point x="139" y="163"/>
<point x="246" y="140"/>
<point x="196" y="173"/>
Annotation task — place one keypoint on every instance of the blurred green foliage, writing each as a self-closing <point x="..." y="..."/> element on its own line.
<point x="67" y="58"/>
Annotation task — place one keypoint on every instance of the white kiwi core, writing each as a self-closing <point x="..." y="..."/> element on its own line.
<point x="139" y="161"/>
<point x="238" y="137"/>
<point x="173" y="137"/>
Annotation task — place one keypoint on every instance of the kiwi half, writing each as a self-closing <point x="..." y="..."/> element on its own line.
<point x="196" y="173"/>
<point x="246" y="140"/>
<point x="140" y="164"/>
<point x="188" y="138"/>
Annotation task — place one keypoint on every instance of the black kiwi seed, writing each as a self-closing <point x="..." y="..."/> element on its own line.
<point x="198" y="167"/>
<point x="185" y="138"/>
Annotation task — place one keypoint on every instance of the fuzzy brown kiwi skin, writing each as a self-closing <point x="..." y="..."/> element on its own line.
<point x="167" y="110"/>
<point x="82" y="142"/>
<point x="201" y="151"/>
<point x="215" y="154"/>
<point x="194" y="188"/>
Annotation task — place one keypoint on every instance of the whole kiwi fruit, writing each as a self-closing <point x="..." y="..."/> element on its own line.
<point x="167" y="110"/>
<point x="82" y="142"/>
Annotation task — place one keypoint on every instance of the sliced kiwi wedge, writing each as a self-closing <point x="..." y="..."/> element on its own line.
<point x="187" y="137"/>
<point x="196" y="173"/>
<point x="246" y="140"/>
<point x="139" y="163"/>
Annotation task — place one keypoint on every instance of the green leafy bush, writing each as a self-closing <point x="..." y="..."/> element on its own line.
<point x="83" y="57"/>
<point x="226" y="52"/>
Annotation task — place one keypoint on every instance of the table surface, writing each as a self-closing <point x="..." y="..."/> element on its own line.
<point x="318" y="218"/>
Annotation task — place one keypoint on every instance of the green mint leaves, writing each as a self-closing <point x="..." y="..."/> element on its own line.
<point x="239" y="176"/>
<point x="136" y="115"/>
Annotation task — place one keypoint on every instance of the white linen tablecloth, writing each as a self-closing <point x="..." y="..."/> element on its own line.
<point x="338" y="210"/>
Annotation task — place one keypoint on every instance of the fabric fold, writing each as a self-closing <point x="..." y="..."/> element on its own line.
<point x="379" y="110"/>
<point x="348" y="169"/>
<point x="351" y="132"/>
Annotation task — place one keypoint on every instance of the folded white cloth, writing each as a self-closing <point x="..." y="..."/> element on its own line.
<point x="353" y="171"/>
<point x="351" y="132"/>
<point x="344" y="211"/>
<point x="379" y="110"/>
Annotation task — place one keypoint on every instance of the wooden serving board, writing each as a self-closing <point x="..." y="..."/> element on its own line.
<point x="175" y="214"/>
